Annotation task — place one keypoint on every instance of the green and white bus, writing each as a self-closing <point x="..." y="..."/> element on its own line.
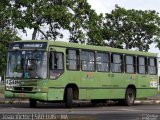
<point x="48" y="71"/>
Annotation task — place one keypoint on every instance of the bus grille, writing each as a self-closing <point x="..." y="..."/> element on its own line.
<point x="27" y="89"/>
<point x="27" y="83"/>
<point x="25" y="86"/>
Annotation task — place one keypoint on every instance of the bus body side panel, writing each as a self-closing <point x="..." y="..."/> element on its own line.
<point x="147" y="85"/>
<point x="37" y="96"/>
<point x="95" y="85"/>
<point x="55" y="93"/>
<point x="120" y="83"/>
<point x="57" y="87"/>
<point x="145" y="93"/>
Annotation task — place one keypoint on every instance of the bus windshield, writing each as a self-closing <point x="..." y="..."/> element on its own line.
<point x="27" y="64"/>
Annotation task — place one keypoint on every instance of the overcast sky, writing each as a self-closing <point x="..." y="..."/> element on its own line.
<point x="105" y="6"/>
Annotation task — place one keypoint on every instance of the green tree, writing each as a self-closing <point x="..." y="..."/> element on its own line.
<point x="94" y="29"/>
<point x="49" y="17"/>
<point x="131" y="28"/>
<point x="7" y="32"/>
<point x="83" y="28"/>
<point x="46" y="17"/>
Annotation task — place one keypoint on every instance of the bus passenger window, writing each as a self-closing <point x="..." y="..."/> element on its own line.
<point x="130" y="64"/>
<point x="102" y="62"/>
<point x="152" y="66"/>
<point x="72" y="59"/>
<point x="116" y="65"/>
<point x="56" y="64"/>
<point x="142" y="63"/>
<point x="87" y="61"/>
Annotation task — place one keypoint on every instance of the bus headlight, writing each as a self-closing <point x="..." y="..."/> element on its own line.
<point x="9" y="87"/>
<point x="41" y="89"/>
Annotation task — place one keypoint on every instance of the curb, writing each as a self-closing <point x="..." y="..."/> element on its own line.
<point x="26" y="102"/>
<point x="147" y="101"/>
<point x="13" y="102"/>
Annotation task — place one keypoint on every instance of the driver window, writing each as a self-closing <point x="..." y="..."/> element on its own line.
<point x="32" y="68"/>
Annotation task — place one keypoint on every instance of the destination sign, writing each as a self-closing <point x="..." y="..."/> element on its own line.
<point x="28" y="45"/>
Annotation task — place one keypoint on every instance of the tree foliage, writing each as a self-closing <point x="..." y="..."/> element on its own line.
<point x="7" y="32"/>
<point x="95" y="31"/>
<point x="84" y="27"/>
<point x="44" y="16"/>
<point x="131" y="28"/>
<point x="49" y="17"/>
<point x="121" y="28"/>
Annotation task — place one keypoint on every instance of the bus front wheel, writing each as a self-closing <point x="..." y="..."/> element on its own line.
<point x="32" y="103"/>
<point x="69" y="98"/>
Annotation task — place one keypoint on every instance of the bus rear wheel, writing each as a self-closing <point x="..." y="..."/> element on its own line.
<point x="32" y="103"/>
<point x="69" y="98"/>
<point x="129" y="97"/>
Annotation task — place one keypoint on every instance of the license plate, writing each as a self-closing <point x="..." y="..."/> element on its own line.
<point x="12" y="82"/>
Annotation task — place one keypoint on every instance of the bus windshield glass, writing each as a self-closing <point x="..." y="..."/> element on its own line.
<point x="27" y="64"/>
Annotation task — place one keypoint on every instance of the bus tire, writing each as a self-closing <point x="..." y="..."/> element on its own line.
<point x="129" y="97"/>
<point x="93" y="102"/>
<point x="32" y="103"/>
<point x="69" y="98"/>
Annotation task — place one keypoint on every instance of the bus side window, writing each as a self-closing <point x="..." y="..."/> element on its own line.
<point x="130" y="64"/>
<point x="102" y="62"/>
<point x="116" y="63"/>
<point x="72" y="60"/>
<point x="56" y="65"/>
<point x="152" y="63"/>
<point x="87" y="61"/>
<point x="142" y="65"/>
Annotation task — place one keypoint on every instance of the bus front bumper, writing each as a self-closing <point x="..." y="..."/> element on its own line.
<point x="37" y="95"/>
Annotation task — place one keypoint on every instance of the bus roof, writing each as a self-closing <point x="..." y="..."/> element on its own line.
<point x="93" y="47"/>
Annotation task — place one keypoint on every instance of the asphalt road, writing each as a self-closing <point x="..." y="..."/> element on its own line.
<point x="84" y="111"/>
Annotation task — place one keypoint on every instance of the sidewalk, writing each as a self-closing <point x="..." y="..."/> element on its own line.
<point x="150" y="100"/>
